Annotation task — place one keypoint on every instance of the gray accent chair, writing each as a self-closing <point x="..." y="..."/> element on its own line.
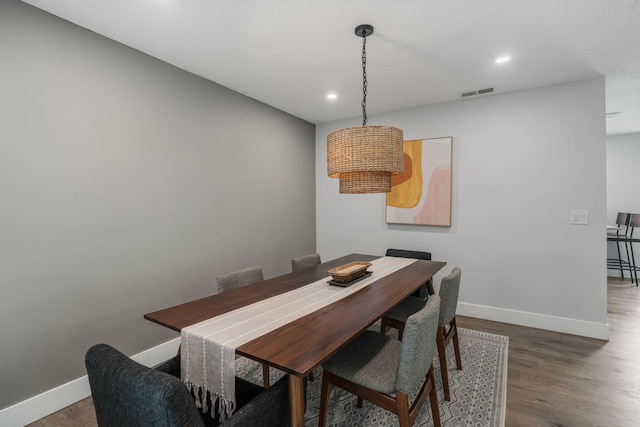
<point x="238" y="279"/>
<point x="447" y="328"/>
<point x="128" y="394"/>
<point x="305" y="261"/>
<point x="427" y="288"/>
<point x="384" y="371"/>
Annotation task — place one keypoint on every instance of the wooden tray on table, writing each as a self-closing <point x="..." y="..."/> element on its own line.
<point x="350" y="273"/>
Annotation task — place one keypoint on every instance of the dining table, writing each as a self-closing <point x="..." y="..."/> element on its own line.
<point x="300" y="346"/>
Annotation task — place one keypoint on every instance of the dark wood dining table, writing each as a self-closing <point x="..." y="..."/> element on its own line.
<point x="302" y="345"/>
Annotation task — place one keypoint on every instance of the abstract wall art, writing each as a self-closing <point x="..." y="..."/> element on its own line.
<point x="422" y="194"/>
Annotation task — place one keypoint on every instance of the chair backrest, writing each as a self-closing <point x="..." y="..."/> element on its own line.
<point x="633" y="223"/>
<point x="623" y="218"/>
<point x="418" y="346"/>
<point x="423" y="291"/>
<point x="126" y="393"/>
<point x="305" y="261"/>
<point x="449" y="289"/>
<point x="623" y="222"/>
<point x="238" y="279"/>
<point x="404" y="253"/>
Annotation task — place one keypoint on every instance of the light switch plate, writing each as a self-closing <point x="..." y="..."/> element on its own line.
<point x="580" y="217"/>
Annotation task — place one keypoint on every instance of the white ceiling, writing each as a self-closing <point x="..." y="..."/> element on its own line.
<point x="290" y="53"/>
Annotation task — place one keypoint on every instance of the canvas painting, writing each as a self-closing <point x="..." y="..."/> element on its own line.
<point x="422" y="194"/>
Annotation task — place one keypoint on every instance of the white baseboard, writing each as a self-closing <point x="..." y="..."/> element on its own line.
<point x="535" y="320"/>
<point x="53" y="400"/>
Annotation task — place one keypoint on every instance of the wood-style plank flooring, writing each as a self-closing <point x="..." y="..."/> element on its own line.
<point x="554" y="379"/>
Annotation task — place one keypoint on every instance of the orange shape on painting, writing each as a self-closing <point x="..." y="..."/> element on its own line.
<point x="406" y="189"/>
<point x="408" y="166"/>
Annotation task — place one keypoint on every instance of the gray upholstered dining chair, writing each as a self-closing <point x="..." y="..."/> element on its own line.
<point x="447" y="328"/>
<point x="305" y="261"/>
<point x="126" y="393"/>
<point x="238" y="279"/>
<point x="384" y="371"/>
<point x="427" y="288"/>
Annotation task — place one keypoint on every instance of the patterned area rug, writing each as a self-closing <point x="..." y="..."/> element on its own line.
<point x="478" y="391"/>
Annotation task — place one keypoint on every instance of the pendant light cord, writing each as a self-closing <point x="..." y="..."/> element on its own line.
<point x="364" y="80"/>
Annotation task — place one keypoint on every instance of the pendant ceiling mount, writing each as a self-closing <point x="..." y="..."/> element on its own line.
<point x="364" y="30"/>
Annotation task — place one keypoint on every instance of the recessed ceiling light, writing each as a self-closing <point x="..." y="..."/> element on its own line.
<point x="332" y="96"/>
<point x="503" y="59"/>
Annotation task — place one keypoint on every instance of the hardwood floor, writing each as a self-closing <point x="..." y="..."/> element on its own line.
<point x="563" y="380"/>
<point x="554" y="379"/>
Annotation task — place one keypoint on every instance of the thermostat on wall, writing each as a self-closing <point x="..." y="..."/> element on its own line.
<point x="580" y="217"/>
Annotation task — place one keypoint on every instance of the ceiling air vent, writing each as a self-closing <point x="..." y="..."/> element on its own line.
<point x="477" y="92"/>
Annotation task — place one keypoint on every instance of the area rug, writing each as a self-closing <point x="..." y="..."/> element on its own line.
<point x="478" y="391"/>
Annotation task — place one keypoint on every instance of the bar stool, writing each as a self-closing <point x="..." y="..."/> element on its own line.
<point x="618" y="235"/>
<point x="634" y="222"/>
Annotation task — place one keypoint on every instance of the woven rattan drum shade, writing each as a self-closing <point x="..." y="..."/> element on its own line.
<point x="365" y="157"/>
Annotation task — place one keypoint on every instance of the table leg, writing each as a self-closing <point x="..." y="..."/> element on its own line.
<point x="296" y="400"/>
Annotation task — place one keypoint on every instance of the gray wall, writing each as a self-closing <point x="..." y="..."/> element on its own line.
<point x="521" y="162"/>
<point x="623" y="176"/>
<point x="126" y="186"/>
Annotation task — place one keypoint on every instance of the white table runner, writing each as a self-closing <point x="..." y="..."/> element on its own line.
<point x="208" y="347"/>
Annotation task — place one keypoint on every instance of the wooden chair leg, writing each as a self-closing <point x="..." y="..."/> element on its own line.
<point x="387" y="323"/>
<point x="402" y="409"/>
<point x="383" y="326"/>
<point x="456" y="344"/>
<point x="324" y="400"/>
<point x="433" y="399"/>
<point x="442" y="356"/>
<point x="265" y="375"/>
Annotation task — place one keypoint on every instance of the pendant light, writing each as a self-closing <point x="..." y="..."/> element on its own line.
<point x="364" y="157"/>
